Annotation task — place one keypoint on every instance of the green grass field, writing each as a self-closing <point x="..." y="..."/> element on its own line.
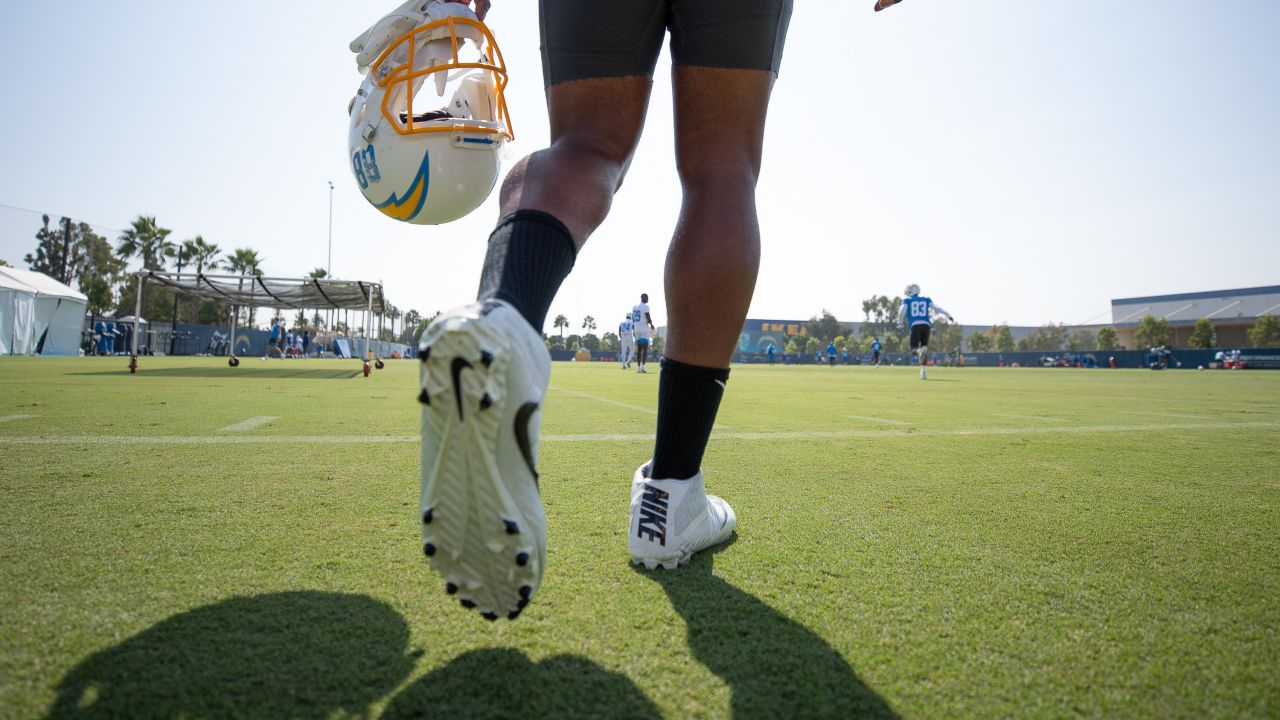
<point x="990" y="543"/>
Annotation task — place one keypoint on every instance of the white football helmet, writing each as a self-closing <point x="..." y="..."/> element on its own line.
<point x="912" y="290"/>
<point x="421" y="158"/>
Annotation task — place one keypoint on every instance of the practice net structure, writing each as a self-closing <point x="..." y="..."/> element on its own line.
<point x="255" y="291"/>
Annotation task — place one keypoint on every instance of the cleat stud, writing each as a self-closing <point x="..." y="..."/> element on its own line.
<point x="451" y="589"/>
<point x="424" y="354"/>
<point x="429" y="549"/>
<point x="427" y="516"/>
<point x="522" y="603"/>
<point x="424" y="398"/>
<point x="522" y="559"/>
<point x="513" y="614"/>
<point x="511" y="527"/>
<point x="526" y="591"/>
<point x="468" y="604"/>
<point x="486" y="402"/>
<point x="486" y="358"/>
<point x="490" y="616"/>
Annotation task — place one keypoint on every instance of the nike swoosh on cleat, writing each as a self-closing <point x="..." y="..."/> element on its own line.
<point x="459" y="364"/>
<point x="523" y="415"/>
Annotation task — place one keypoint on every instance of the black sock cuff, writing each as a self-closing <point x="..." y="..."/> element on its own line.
<point x="695" y="372"/>
<point x="538" y="216"/>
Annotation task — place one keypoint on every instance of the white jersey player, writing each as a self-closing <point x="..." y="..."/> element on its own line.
<point x="627" y="340"/>
<point x="642" y="328"/>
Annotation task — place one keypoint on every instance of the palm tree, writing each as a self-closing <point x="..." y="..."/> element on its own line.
<point x="589" y="324"/>
<point x="245" y="261"/>
<point x="409" y="328"/>
<point x="147" y="240"/>
<point x="201" y="252"/>
<point x="561" y="322"/>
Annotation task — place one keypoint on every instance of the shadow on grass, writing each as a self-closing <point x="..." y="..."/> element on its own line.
<point x="775" y="668"/>
<point x="503" y="683"/>
<point x="241" y="372"/>
<point x="295" y="655"/>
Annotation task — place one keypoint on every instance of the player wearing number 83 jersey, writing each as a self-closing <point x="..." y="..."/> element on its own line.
<point x="917" y="313"/>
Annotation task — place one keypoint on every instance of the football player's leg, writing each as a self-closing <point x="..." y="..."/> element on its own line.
<point x="598" y="61"/>
<point x="714" y="255"/>
<point x="722" y="84"/>
<point x="485" y="368"/>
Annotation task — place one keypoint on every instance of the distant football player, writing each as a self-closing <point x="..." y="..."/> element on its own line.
<point x="831" y="354"/>
<point x="642" y="329"/>
<point x="772" y="352"/>
<point x="917" y="313"/>
<point x="627" y="341"/>
<point x="875" y="351"/>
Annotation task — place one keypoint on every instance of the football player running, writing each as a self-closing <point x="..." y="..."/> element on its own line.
<point x="642" y="329"/>
<point x="627" y="340"/>
<point x="917" y="313"/>
<point x="484" y="366"/>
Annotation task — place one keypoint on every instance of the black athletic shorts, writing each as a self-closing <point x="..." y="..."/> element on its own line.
<point x="919" y="336"/>
<point x="621" y="38"/>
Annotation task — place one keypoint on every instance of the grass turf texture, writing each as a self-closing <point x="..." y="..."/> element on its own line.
<point x="1016" y="543"/>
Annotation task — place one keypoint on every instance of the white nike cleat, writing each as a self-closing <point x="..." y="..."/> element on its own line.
<point x="673" y="519"/>
<point x="483" y="373"/>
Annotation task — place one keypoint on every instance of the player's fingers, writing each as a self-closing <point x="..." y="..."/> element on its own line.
<point x="882" y="4"/>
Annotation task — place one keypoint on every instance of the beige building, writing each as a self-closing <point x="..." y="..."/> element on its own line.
<point x="1232" y="313"/>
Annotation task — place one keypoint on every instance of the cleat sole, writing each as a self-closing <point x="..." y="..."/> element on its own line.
<point x="481" y="520"/>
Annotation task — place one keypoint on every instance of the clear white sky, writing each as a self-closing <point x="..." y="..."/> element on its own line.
<point x="1024" y="162"/>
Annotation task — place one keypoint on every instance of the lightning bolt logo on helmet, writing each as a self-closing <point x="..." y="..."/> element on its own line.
<point x="430" y="119"/>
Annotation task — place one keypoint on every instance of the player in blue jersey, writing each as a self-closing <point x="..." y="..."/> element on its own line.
<point x="831" y="354"/>
<point x="917" y="313"/>
<point x="875" y="350"/>
<point x="627" y="340"/>
<point x="772" y="352"/>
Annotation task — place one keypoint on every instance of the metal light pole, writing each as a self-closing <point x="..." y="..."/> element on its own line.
<point x="328" y="268"/>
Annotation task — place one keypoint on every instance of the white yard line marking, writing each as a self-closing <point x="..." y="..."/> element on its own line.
<point x="250" y="424"/>
<point x="883" y="421"/>
<point x="1029" y="417"/>
<point x="608" y="437"/>
<point x="14" y="418"/>
<point x="608" y="401"/>
<point x="619" y="403"/>
<point x="1165" y="414"/>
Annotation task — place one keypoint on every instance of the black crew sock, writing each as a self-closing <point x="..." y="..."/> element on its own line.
<point x="688" y="398"/>
<point x="530" y="254"/>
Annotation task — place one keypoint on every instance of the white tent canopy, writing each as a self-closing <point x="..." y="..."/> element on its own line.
<point x="39" y="315"/>
<point x="17" y="316"/>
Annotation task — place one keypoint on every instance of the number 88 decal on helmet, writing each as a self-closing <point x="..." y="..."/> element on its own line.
<point x="429" y="122"/>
